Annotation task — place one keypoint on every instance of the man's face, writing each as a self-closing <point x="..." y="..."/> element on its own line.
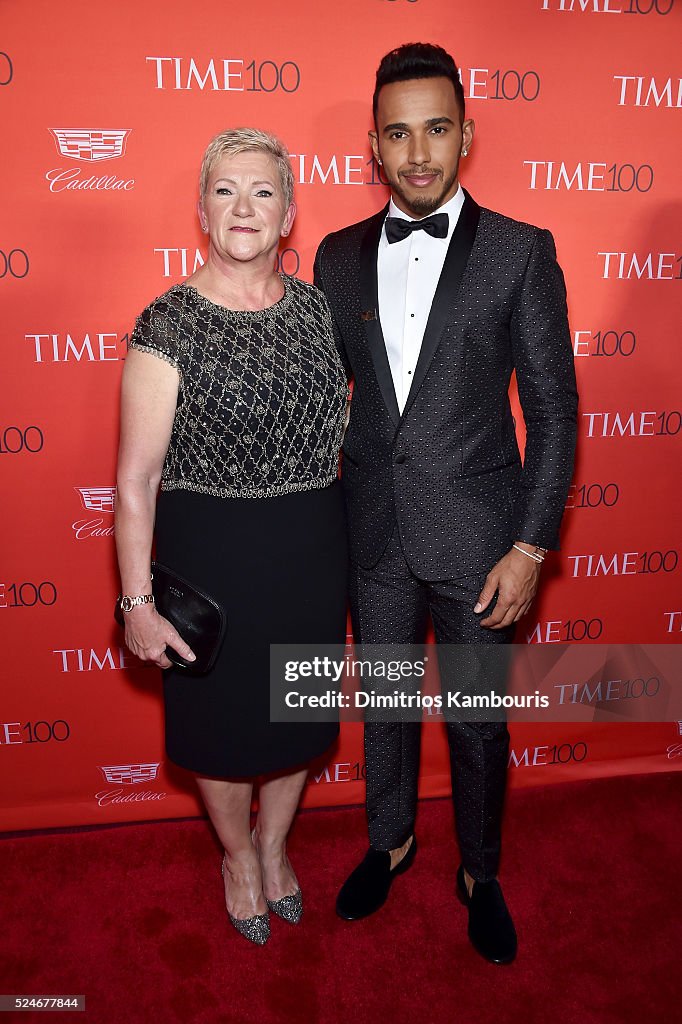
<point x="419" y="141"/>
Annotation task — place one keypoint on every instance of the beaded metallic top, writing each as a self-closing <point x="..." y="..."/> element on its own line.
<point x="262" y="394"/>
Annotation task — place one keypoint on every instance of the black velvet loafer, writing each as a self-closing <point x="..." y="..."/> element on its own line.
<point x="491" y="929"/>
<point x="367" y="888"/>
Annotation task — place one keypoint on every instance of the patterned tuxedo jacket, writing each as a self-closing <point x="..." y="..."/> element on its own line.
<point x="448" y="469"/>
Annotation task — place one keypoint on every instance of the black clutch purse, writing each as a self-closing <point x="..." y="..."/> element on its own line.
<point x="198" y="618"/>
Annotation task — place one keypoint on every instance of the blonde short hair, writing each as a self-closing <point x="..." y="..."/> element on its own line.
<point x="247" y="140"/>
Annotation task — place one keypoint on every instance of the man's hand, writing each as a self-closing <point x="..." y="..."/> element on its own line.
<point x="515" y="579"/>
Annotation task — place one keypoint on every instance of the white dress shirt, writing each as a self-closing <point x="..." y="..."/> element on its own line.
<point x="407" y="276"/>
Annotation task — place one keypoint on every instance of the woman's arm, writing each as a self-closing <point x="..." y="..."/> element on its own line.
<point x="149" y="393"/>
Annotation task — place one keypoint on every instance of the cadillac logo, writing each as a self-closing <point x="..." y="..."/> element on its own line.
<point x="97" y="499"/>
<point x="90" y="143"/>
<point x="130" y="774"/>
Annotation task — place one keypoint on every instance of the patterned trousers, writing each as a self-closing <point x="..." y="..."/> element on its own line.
<point x="390" y="605"/>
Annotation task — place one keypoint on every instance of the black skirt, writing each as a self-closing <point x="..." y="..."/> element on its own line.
<point x="278" y="566"/>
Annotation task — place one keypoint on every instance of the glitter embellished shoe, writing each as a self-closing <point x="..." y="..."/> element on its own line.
<point x="257" y="928"/>
<point x="289" y="908"/>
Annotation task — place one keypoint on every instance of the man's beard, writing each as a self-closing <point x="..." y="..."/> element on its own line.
<point x="423" y="205"/>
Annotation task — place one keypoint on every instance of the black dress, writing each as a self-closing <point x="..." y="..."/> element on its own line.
<point x="251" y="511"/>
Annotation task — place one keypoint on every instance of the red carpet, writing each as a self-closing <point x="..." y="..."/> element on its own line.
<point x="133" y="917"/>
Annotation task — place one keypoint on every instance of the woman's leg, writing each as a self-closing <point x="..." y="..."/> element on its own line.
<point x="229" y="808"/>
<point x="277" y="802"/>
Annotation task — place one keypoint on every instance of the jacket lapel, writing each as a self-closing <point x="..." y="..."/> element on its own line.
<point x="446" y="294"/>
<point x="369" y="297"/>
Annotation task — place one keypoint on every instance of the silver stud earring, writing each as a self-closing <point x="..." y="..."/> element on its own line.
<point x="465" y="152"/>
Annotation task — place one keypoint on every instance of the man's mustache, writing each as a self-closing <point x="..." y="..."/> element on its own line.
<point x="414" y="171"/>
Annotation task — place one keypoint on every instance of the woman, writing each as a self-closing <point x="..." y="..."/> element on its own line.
<point x="233" y="400"/>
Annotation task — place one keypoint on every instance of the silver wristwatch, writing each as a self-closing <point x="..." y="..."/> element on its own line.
<point x="128" y="603"/>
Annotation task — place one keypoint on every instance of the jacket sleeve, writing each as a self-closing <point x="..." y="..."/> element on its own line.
<point x="543" y="359"/>
<point x="319" y="282"/>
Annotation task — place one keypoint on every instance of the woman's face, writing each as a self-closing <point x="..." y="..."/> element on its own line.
<point x="244" y="208"/>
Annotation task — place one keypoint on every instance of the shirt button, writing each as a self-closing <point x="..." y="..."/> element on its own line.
<point x="400" y="458"/>
<point x="412" y="314"/>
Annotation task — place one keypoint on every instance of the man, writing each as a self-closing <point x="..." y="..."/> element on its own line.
<point x="436" y="301"/>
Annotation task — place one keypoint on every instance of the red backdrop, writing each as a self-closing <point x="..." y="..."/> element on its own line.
<point x="106" y="113"/>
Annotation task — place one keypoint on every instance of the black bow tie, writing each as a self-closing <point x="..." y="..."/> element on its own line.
<point x="398" y="228"/>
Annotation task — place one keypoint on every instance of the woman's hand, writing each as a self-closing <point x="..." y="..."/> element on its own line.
<point x="147" y="634"/>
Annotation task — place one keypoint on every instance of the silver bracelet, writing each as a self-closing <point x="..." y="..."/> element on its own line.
<point x="127" y="603"/>
<point x="530" y="554"/>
